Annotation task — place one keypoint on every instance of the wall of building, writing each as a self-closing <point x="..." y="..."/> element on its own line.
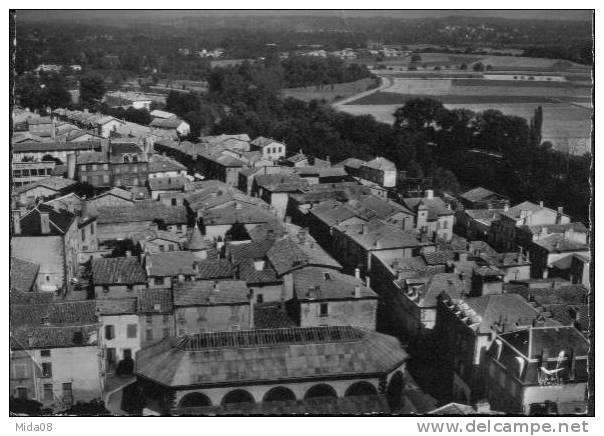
<point x="270" y="293"/>
<point x="108" y="231"/>
<point x="120" y="341"/>
<point x="117" y="291"/>
<point x="214" y="318"/>
<point x="76" y="365"/>
<point x="46" y="251"/>
<point x="154" y="327"/>
<point x="38" y="192"/>
<point x="355" y="312"/>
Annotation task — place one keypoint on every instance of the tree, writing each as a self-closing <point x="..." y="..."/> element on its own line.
<point x="463" y="67"/>
<point x="50" y="158"/>
<point x="536" y="125"/>
<point x="416" y="57"/>
<point x="478" y="66"/>
<point x="92" y="88"/>
<point x="445" y="180"/>
<point x="417" y="113"/>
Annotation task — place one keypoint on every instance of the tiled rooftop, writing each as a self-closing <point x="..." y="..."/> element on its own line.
<point x="117" y="271"/>
<point x="315" y="283"/>
<point x="210" y="292"/>
<point x="277" y="355"/>
<point x="23" y="274"/>
<point x="170" y="264"/>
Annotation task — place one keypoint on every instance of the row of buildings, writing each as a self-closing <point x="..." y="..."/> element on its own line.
<point x="321" y="263"/>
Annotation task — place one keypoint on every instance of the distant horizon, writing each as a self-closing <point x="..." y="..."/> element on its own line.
<point x="150" y="14"/>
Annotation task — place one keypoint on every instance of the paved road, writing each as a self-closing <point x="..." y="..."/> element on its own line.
<point x="385" y="82"/>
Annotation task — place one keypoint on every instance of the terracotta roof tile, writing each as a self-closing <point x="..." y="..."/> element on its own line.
<point x="118" y="270"/>
<point x="23" y="274"/>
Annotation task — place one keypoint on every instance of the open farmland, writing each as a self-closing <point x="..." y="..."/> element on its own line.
<point x="331" y="93"/>
<point x="565" y="97"/>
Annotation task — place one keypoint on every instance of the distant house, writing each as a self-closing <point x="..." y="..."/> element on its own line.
<point x="24" y="173"/>
<point x="112" y="197"/>
<point x="54" y="355"/>
<point x="118" y="277"/>
<point x="481" y="198"/>
<point x="356" y="242"/>
<point x="215" y="223"/>
<point x="466" y="328"/>
<point x="119" y="222"/>
<point x="165" y="270"/>
<point x="504" y="232"/>
<point x="418" y="301"/>
<point x="275" y="189"/>
<point x="156" y="241"/>
<point x="212" y="306"/>
<point x="326" y="297"/>
<point x="51" y="239"/>
<point x="162" y="114"/>
<point x="163" y="166"/>
<point x="155" y="313"/>
<point x="94" y="168"/>
<point x="46" y="188"/>
<point x="120" y="336"/>
<point x="379" y="170"/>
<point x="58" y="150"/>
<point x="537" y="371"/>
<point x="433" y="215"/>
<point x="179" y="126"/>
<point x="166" y="185"/>
<point x="271" y="149"/>
<point x="297" y="160"/>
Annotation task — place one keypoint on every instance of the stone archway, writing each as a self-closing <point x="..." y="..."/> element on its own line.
<point x="238" y="396"/>
<point x="360" y="388"/>
<point x="321" y="391"/>
<point x="195" y="399"/>
<point x="280" y="393"/>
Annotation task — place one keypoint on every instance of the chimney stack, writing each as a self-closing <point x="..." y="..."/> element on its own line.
<point x="541" y="204"/>
<point x="44" y="223"/>
<point x="367" y="281"/>
<point x="16" y="222"/>
<point x="357" y="291"/>
<point x="357" y="273"/>
<point x="429" y="193"/>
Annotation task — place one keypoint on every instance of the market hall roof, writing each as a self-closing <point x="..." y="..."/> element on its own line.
<point x="245" y="357"/>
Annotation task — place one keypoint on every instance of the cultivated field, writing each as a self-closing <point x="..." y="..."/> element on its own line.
<point x="508" y="87"/>
<point x="330" y="93"/>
